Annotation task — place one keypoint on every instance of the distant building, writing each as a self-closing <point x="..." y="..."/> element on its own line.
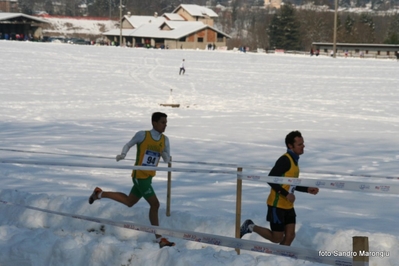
<point x="359" y="49"/>
<point x="18" y="24"/>
<point x="187" y="27"/>
<point x="9" y="6"/>
<point x="273" y="3"/>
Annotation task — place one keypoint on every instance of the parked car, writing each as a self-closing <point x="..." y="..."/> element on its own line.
<point x="77" y="41"/>
<point x="57" y="39"/>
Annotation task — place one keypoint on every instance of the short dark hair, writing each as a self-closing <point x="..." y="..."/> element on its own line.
<point x="290" y="138"/>
<point x="157" y="116"/>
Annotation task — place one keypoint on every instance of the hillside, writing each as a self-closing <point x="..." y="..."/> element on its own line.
<point x="82" y="27"/>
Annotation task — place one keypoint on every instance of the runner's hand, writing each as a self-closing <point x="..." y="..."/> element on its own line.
<point x="120" y="157"/>
<point x="313" y="190"/>
<point x="291" y="197"/>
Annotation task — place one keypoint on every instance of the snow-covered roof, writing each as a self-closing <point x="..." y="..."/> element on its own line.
<point x="173" y="16"/>
<point x="7" y="16"/>
<point x="190" y="27"/>
<point x="197" y="11"/>
<point x="116" y="32"/>
<point x="137" y="21"/>
<point x="184" y="24"/>
<point x="179" y="30"/>
<point x="150" y="26"/>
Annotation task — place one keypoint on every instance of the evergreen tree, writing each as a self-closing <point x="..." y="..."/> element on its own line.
<point x="98" y="8"/>
<point x="284" y="29"/>
<point x="365" y="29"/>
<point x="26" y="6"/>
<point x="48" y="7"/>
<point x="349" y="24"/>
<point x="349" y="30"/>
<point x="393" y="31"/>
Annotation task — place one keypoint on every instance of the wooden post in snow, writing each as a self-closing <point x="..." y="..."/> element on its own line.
<point x="238" y="206"/>
<point x="360" y="251"/>
<point x="169" y="189"/>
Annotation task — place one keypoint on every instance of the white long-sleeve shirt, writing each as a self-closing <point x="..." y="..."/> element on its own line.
<point x="139" y="137"/>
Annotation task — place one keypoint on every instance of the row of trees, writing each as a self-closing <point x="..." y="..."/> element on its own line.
<point x="100" y="8"/>
<point x="295" y="29"/>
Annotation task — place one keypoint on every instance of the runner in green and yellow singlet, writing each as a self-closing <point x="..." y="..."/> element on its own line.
<point x="151" y="146"/>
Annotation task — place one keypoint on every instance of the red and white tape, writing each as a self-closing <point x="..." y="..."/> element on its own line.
<point x="291" y="252"/>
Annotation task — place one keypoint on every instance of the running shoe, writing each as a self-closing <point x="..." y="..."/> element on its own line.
<point x="244" y="228"/>
<point x="165" y="243"/>
<point x="94" y="196"/>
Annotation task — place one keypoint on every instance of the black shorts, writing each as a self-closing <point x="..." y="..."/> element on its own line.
<point x="279" y="218"/>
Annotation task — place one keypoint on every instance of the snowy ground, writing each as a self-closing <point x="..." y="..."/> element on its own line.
<point x="235" y="108"/>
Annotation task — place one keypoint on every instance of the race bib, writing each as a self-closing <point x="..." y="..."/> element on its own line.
<point x="151" y="158"/>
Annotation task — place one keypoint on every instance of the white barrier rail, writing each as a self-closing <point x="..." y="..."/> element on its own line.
<point x="254" y="167"/>
<point x="262" y="168"/>
<point x="115" y="165"/>
<point x="286" y="251"/>
<point x="60" y="154"/>
<point x="359" y="186"/>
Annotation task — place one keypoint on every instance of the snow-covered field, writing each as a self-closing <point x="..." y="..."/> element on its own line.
<point x="58" y="101"/>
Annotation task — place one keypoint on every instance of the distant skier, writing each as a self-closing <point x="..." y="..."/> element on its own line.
<point x="182" y="69"/>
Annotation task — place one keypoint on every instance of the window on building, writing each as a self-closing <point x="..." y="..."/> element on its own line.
<point x="378" y="52"/>
<point x="182" y="39"/>
<point x="200" y="39"/>
<point x="387" y="52"/>
<point x="219" y="37"/>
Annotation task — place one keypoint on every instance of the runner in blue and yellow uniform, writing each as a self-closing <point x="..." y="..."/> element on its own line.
<point x="280" y="203"/>
<point x="151" y="146"/>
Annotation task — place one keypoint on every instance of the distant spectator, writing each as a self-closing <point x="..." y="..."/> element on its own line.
<point x="317" y="52"/>
<point x="361" y="54"/>
<point x="311" y="52"/>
